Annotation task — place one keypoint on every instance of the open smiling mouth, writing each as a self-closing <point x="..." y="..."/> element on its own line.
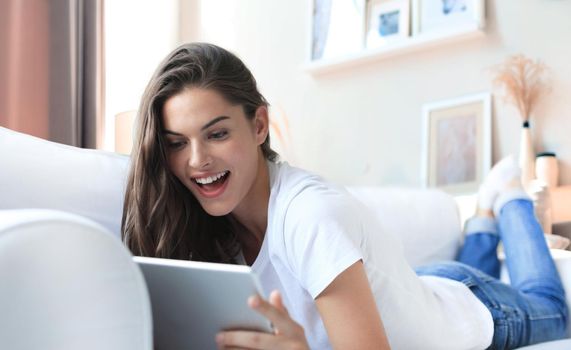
<point x="212" y="186"/>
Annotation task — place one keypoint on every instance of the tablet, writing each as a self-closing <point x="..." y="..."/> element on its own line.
<point x="192" y="301"/>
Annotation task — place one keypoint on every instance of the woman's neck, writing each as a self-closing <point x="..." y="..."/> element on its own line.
<point x="252" y="213"/>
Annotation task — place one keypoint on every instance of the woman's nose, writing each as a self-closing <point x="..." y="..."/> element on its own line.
<point x="199" y="157"/>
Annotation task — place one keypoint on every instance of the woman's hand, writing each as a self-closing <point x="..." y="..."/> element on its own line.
<point x="287" y="333"/>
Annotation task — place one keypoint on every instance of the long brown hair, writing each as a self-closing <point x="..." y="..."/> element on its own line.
<point x="161" y="217"/>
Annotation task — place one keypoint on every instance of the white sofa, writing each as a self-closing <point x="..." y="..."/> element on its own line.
<point x="68" y="256"/>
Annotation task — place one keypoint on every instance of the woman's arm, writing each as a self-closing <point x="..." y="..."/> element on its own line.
<point x="349" y="312"/>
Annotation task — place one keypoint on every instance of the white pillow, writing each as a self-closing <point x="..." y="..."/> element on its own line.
<point x="36" y="173"/>
<point x="426" y="220"/>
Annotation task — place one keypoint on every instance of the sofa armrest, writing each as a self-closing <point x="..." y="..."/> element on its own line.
<point x="562" y="260"/>
<point x="68" y="283"/>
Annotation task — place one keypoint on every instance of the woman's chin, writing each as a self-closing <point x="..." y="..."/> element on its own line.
<point x="216" y="209"/>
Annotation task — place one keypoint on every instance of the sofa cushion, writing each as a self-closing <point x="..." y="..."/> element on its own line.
<point x="36" y="173"/>
<point x="426" y="220"/>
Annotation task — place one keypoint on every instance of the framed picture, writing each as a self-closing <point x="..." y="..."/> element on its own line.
<point x="429" y="16"/>
<point x="457" y="143"/>
<point x="338" y="28"/>
<point x="387" y="20"/>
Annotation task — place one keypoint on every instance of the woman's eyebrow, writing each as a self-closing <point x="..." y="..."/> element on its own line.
<point x="214" y="121"/>
<point x="171" y="133"/>
<point x="206" y="126"/>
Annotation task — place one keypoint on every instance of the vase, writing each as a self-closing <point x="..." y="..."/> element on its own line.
<point x="526" y="156"/>
<point x="546" y="168"/>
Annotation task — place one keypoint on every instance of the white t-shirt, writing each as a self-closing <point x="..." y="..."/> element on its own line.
<point x="317" y="230"/>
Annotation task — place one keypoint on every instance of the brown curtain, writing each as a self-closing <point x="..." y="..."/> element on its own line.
<point x="53" y="67"/>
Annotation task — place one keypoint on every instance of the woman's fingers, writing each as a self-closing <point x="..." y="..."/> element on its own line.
<point x="255" y="340"/>
<point x="278" y="317"/>
<point x="245" y="340"/>
<point x="276" y="300"/>
<point x="288" y="334"/>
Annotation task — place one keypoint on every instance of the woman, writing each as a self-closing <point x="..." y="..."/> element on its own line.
<point x="205" y="185"/>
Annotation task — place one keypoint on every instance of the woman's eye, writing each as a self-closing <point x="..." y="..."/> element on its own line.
<point x="175" y="144"/>
<point x="218" y="135"/>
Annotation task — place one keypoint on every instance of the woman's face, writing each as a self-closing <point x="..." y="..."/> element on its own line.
<point x="213" y="149"/>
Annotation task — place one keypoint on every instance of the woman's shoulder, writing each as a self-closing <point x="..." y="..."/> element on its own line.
<point x="304" y="194"/>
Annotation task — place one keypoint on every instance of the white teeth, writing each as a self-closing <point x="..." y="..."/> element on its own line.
<point x="210" y="179"/>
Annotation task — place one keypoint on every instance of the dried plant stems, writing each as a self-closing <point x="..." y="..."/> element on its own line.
<point x="523" y="82"/>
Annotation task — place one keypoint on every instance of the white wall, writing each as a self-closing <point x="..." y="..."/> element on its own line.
<point x="363" y="125"/>
<point x="138" y="35"/>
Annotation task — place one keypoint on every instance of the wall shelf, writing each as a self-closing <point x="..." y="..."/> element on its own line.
<point x="408" y="45"/>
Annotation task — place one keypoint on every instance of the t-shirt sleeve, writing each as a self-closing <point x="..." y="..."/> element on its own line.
<point x="322" y="238"/>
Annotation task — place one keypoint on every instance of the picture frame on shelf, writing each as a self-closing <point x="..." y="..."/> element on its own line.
<point x="337" y="28"/>
<point x="457" y="143"/>
<point x="387" y="21"/>
<point x="437" y="16"/>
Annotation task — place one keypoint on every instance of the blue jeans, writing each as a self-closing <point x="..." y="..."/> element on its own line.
<point x="532" y="308"/>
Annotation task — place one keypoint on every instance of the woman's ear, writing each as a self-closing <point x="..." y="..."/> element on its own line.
<point x="261" y="124"/>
